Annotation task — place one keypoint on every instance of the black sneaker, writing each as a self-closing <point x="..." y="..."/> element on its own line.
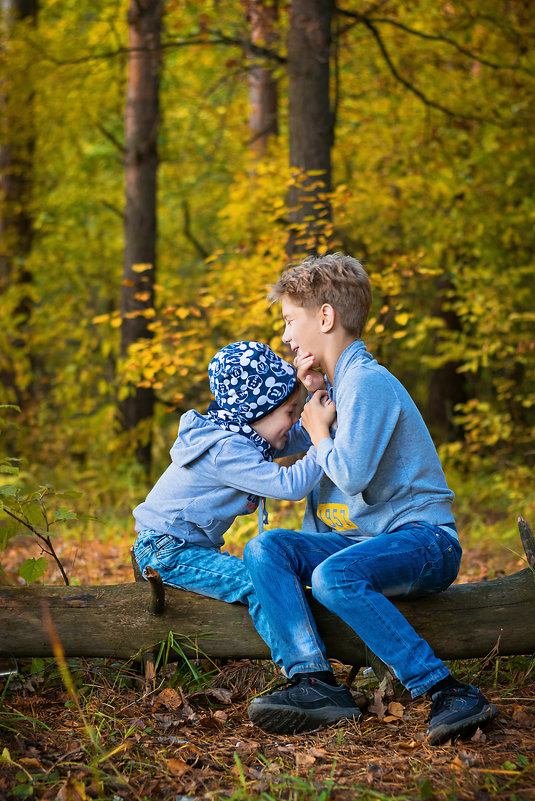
<point x="458" y="711"/>
<point x="305" y="703"/>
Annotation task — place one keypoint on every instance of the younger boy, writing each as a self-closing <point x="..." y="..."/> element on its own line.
<point x="379" y="526"/>
<point x="222" y="466"/>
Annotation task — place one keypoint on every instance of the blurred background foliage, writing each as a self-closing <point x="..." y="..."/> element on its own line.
<point x="432" y="188"/>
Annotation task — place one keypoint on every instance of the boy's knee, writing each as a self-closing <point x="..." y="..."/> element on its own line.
<point x="252" y="549"/>
<point x="322" y="584"/>
<point x="258" y="548"/>
<point x="330" y="582"/>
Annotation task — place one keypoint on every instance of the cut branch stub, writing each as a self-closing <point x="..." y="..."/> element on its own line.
<point x="528" y="541"/>
<point x="135" y="567"/>
<point x="157" y="591"/>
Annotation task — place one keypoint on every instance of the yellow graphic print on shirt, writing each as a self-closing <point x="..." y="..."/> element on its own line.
<point x="335" y="515"/>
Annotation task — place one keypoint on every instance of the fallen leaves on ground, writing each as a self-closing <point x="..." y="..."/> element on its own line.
<point x="171" y="742"/>
<point x="179" y="740"/>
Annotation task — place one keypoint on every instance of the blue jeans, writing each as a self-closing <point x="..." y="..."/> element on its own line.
<point x="355" y="581"/>
<point x="206" y="571"/>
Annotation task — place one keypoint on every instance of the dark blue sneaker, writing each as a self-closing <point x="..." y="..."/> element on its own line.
<point x="305" y="703"/>
<point x="458" y="711"/>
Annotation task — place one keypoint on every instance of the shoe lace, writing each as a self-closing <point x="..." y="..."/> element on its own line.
<point x="288" y="683"/>
<point x="282" y="684"/>
<point x="443" y="701"/>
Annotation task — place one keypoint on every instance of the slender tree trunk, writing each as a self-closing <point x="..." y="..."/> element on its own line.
<point x="16" y="181"/>
<point x="263" y="91"/>
<point x="447" y="386"/>
<point x="310" y="124"/>
<point x="141" y="166"/>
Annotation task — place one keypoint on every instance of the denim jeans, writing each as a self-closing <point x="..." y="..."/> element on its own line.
<point x="206" y="571"/>
<point x="355" y="581"/>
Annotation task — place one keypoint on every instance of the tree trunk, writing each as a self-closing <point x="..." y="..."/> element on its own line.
<point x="310" y="125"/>
<point x="141" y="166"/>
<point x="263" y="91"/>
<point x="16" y="180"/>
<point x="447" y="386"/>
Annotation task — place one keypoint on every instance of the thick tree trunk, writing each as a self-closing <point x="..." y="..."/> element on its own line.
<point x="310" y="124"/>
<point x="263" y="91"/>
<point x="466" y="621"/>
<point x="141" y="166"/>
<point x="17" y="141"/>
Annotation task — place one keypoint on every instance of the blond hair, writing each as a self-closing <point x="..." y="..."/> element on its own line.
<point x="336" y="279"/>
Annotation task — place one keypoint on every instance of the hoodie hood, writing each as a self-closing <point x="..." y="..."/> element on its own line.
<point x="197" y="433"/>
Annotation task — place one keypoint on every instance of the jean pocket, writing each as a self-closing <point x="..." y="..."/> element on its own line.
<point x="451" y="563"/>
<point x="441" y="568"/>
<point x="167" y="551"/>
<point x="143" y="547"/>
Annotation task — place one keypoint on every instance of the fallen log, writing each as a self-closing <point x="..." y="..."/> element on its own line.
<point x="128" y="620"/>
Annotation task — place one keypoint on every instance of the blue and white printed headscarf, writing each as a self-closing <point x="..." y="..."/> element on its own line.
<point x="248" y="381"/>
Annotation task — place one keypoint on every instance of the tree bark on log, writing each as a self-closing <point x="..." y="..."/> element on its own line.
<point x="466" y="621"/>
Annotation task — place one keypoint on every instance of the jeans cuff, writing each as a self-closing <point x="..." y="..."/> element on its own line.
<point x="433" y="679"/>
<point x="309" y="667"/>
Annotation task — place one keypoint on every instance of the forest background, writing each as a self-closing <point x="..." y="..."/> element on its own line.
<point x="161" y="163"/>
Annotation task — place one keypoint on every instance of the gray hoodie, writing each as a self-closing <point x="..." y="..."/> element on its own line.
<point x="381" y="469"/>
<point x="216" y="475"/>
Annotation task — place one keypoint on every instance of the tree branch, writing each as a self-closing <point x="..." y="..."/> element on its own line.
<point x="426" y="100"/>
<point x="203" y="253"/>
<point x="217" y="39"/>
<point x="433" y="38"/>
<point x="43" y="538"/>
<point x="113" y="139"/>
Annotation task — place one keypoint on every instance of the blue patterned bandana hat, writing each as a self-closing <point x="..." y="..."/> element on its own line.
<point x="249" y="380"/>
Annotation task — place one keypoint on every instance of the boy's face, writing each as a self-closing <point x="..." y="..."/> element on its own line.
<point x="303" y="328"/>
<point x="274" y="427"/>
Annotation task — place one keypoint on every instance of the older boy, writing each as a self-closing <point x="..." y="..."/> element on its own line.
<point x="379" y="527"/>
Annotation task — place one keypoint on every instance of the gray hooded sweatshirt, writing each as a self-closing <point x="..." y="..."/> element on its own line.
<point x="216" y="475"/>
<point x="381" y="468"/>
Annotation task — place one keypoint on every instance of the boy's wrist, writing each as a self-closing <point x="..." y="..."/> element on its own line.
<point x="323" y="449"/>
<point x="318" y="435"/>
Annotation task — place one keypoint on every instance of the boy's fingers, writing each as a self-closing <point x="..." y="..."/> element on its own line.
<point x="303" y="358"/>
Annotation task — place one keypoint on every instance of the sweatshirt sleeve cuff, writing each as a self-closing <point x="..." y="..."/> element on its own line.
<point x="323" y="450"/>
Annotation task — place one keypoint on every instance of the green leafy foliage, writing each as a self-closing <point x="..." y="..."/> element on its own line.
<point x="26" y="511"/>
<point x="432" y="188"/>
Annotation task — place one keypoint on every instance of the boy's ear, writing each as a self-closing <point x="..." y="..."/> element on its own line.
<point x="327" y="318"/>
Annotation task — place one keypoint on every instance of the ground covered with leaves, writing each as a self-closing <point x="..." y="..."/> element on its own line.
<point x="94" y="729"/>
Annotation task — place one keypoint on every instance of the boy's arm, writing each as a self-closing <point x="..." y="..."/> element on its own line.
<point x="366" y="418"/>
<point x="241" y="466"/>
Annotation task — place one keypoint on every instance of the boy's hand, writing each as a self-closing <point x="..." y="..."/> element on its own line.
<point x="310" y="377"/>
<point x="318" y="416"/>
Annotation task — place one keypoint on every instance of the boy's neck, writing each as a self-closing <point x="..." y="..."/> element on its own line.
<point x="334" y="347"/>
